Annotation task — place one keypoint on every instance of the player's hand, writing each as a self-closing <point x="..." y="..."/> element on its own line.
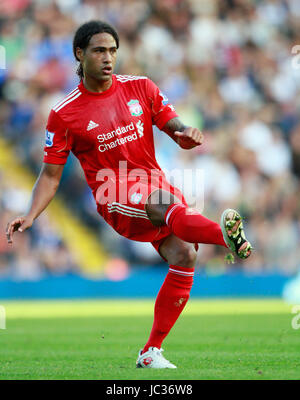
<point x="189" y="138"/>
<point x="18" y="224"/>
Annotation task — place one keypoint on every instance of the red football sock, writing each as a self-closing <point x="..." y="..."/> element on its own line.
<point x="170" y="302"/>
<point x="191" y="226"/>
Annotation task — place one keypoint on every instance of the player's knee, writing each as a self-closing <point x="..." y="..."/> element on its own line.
<point x="155" y="213"/>
<point x="184" y="256"/>
<point x="157" y="205"/>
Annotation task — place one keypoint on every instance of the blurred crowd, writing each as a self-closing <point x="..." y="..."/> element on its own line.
<point x="229" y="69"/>
<point x="40" y="251"/>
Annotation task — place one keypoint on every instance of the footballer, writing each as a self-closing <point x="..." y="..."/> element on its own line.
<point x="106" y="121"/>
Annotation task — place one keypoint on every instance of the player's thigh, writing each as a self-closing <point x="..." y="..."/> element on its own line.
<point x="178" y="252"/>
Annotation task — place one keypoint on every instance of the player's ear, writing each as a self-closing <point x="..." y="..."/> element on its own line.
<point x="79" y="54"/>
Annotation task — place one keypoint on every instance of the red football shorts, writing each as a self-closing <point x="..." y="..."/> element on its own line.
<point x="125" y="210"/>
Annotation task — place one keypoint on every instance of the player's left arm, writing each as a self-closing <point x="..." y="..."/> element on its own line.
<point x="165" y="118"/>
<point x="185" y="136"/>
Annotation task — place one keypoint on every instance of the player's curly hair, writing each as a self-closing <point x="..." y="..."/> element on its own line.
<point x="83" y="36"/>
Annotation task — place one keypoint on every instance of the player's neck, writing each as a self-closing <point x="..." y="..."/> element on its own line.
<point x="93" y="85"/>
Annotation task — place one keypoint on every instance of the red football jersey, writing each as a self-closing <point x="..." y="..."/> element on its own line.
<point x="102" y="129"/>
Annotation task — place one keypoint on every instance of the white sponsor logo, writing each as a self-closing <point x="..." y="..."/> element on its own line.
<point x="140" y="128"/>
<point x="91" y="125"/>
<point x="49" y="138"/>
<point x="120" y="130"/>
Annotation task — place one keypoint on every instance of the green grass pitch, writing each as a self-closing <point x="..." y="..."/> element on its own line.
<point x="213" y="339"/>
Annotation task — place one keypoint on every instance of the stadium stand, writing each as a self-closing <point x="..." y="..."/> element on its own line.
<point x="232" y="77"/>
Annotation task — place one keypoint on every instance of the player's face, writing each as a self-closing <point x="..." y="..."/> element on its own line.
<point x="99" y="58"/>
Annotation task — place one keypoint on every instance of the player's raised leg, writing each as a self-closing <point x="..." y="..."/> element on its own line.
<point x="171" y="299"/>
<point x="189" y="225"/>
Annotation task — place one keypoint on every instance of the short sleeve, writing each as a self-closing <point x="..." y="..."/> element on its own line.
<point x="56" y="148"/>
<point x="161" y="110"/>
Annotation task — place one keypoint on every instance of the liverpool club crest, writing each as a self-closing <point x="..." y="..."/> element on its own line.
<point x="135" y="108"/>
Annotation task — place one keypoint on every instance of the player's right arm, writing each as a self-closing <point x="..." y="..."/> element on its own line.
<point x="42" y="193"/>
<point x="56" y="151"/>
